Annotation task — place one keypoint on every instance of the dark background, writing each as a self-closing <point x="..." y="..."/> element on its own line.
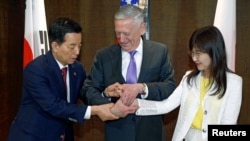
<point x="171" y="22"/>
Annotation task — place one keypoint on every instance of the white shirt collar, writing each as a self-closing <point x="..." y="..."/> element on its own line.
<point x="60" y="65"/>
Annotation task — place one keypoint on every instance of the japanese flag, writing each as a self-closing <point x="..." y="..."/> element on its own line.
<point x="225" y="20"/>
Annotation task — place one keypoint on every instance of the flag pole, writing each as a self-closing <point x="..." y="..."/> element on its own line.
<point x="144" y="4"/>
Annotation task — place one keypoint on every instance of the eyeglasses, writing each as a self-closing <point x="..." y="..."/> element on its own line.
<point x="196" y="54"/>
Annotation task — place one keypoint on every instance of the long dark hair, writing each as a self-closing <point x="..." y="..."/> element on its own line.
<point x="209" y="40"/>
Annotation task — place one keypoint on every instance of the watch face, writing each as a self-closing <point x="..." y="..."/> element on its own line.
<point x="144" y="89"/>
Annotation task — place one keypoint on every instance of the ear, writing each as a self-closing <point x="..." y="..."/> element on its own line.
<point x="54" y="46"/>
<point x="143" y="28"/>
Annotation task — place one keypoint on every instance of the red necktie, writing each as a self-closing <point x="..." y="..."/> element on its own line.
<point x="64" y="74"/>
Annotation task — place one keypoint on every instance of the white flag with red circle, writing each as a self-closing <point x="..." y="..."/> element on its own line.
<point x="225" y="20"/>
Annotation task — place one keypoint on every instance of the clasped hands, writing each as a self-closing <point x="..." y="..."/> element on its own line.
<point x="127" y="93"/>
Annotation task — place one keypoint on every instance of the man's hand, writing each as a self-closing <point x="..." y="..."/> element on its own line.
<point x="103" y="112"/>
<point x="130" y="92"/>
<point x="113" y="90"/>
<point x="121" y="110"/>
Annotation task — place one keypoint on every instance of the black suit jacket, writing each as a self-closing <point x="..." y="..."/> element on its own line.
<point x="156" y="71"/>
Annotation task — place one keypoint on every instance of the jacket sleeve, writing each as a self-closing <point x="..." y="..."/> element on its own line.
<point x="233" y="101"/>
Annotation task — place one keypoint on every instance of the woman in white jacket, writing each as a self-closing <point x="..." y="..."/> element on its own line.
<point x="208" y="94"/>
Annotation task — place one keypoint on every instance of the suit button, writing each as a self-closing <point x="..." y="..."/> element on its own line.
<point x="205" y="112"/>
<point x="62" y="137"/>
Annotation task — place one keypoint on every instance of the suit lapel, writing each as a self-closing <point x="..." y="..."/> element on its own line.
<point x="146" y="59"/>
<point x="55" y="74"/>
<point x="116" y="61"/>
<point x="72" y="81"/>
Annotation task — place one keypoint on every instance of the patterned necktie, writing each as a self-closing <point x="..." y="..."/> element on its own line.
<point x="64" y="74"/>
<point x="131" y="76"/>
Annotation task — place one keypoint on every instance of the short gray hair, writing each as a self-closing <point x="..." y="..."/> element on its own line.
<point x="130" y="12"/>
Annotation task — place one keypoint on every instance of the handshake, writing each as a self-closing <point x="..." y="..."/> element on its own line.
<point x="126" y="104"/>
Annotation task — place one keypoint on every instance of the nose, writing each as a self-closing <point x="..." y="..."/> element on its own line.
<point x="194" y="58"/>
<point x="121" y="38"/>
<point x="77" y="50"/>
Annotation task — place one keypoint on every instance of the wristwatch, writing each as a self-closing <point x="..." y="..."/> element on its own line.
<point x="144" y="88"/>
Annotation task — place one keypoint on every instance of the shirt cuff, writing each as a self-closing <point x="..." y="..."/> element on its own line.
<point x="88" y="113"/>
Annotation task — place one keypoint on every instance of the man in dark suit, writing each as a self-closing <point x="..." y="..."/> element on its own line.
<point x="49" y="106"/>
<point x="108" y="80"/>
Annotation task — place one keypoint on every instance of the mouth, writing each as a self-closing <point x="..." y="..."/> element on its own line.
<point x="197" y="64"/>
<point x="125" y="45"/>
<point x="73" y="59"/>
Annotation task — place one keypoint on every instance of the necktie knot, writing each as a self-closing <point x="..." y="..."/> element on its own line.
<point x="64" y="69"/>
<point x="132" y="53"/>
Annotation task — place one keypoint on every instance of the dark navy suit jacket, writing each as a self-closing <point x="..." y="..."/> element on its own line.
<point x="44" y="113"/>
<point x="156" y="71"/>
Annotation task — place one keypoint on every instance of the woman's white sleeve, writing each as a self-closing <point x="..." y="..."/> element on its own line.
<point x="149" y="107"/>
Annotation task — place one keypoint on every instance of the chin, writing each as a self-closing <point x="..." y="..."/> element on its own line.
<point x="200" y="69"/>
<point x="71" y="62"/>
